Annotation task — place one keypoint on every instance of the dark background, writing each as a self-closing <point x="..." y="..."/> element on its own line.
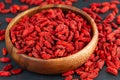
<point x="26" y="75"/>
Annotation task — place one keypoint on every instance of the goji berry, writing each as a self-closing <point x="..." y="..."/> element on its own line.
<point x="68" y="73"/>
<point x="69" y="77"/>
<point x="7" y="67"/>
<point x="8" y="1"/>
<point x="2" y="32"/>
<point x="93" y="75"/>
<point x="118" y="19"/>
<point x="16" y="71"/>
<point x="84" y="75"/>
<point x="4" y="59"/>
<point x="4" y="11"/>
<point x="24" y="7"/>
<point x="100" y="63"/>
<point x="8" y="19"/>
<point x="4" y="51"/>
<point x="46" y="56"/>
<point x="2" y="5"/>
<point x="105" y="4"/>
<point x="104" y="9"/>
<point x="112" y="71"/>
<point x="2" y="37"/>
<point x="5" y="73"/>
<point x="35" y="54"/>
<point x="14" y="8"/>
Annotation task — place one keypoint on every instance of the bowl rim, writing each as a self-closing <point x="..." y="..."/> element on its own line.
<point x="74" y="9"/>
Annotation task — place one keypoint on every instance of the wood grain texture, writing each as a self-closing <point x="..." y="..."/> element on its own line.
<point x="52" y="66"/>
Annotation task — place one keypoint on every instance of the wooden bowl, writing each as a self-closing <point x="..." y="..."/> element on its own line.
<point x="52" y="66"/>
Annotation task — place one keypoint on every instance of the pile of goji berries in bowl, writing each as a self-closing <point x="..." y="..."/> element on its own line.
<point x="51" y="39"/>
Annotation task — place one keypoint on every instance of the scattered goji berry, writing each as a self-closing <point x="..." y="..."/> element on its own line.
<point x="16" y="71"/>
<point x="2" y="37"/>
<point x="118" y="19"/>
<point x="4" y="51"/>
<point x="7" y="67"/>
<point x="112" y="71"/>
<point x="14" y="8"/>
<point x="68" y="73"/>
<point x="2" y="5"/>
<point x="24" y="7"/>
<point x="4" y="11"/>
<point x="5" y="73"/>
<point x="8" y="20"/>
<point x="104" y="9"/>
<point x="100" y="63"/>
<point x="69" y="77"/>
<point x="8" y="1"/>
<point x="4" y="59"/>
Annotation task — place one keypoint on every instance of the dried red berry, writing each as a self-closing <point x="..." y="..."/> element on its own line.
<point x="8" y="1"/>
<point x="69" y="77"/>
<point x="16" y="71"/>
<point x="4" y="59"/>
<point x="118" y="19"/>
<point x="46" y="56"/>
<point x="68" y="73"/>
<point x="7" y="67"/>
<point x="112" y="71"/>
<point x="5" y="73"/>
<point x="5" y="11"/>
<point x="8" y="20"/>
<point x="14" y="8"/>
<point x="100" y="63"/>
<point x="104" y="9"/>
<point x="2" y="5"/>
<point x="24" y="7"/>
<point x="4" y="51"/>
